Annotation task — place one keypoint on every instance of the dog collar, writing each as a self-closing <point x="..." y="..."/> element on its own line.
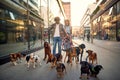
<point x="93" y="69"/>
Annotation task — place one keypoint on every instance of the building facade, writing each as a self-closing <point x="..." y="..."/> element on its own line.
<point x="67" y="9"/>
<point x="85" y="25"/>
<point x="106" y="22"/>
<point x="22" y="23"/>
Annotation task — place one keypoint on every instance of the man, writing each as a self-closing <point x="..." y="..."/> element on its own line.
<point x="58" y="33"/>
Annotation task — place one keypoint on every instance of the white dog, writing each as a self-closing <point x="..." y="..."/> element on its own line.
<point x="33" y="59"/>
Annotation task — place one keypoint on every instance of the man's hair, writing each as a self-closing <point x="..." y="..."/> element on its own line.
<point x="56" y="18"/>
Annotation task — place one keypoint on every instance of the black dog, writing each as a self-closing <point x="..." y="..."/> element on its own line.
<point x="80" y="50"/>
<point x="95" y="70"/>
<point x="90" y="69"/>
<point x="84" y="69"/>
<point x="60" y="68"/>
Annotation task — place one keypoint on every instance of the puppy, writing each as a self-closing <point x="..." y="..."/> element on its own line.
<point x="34" y="59"/>
<point x="92" y="56"/>
<point x="47" y="49"/>
<point x="15" y="57"/>
<point x="60" y="68"/>
<point x="84" y="69"/>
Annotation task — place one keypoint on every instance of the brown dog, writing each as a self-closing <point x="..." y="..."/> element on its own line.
<point x="14" y="57"/>
<point x="52" y="59"/>
<point x="92" y="56"/>
<point x="47" y="49"/>
<point x="71" y="54"/>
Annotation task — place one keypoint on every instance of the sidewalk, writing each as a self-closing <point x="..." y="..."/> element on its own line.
<point x="109" y="60"/>
<point x="113" y="46"/>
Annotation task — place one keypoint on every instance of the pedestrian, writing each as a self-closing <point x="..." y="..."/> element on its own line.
<point x="58" y="33"/>
<point x="88" y="36"/>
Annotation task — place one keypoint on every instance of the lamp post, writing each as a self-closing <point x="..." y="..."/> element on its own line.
<point x="41" y="24"/>
<point x="28" y="29"/>
<point x="91" y="33"/>
<point x="48" y="19"/>
<point x="91" y="28"/>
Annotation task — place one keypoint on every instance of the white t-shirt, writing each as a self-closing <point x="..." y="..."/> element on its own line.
<point x="57" y="32"/>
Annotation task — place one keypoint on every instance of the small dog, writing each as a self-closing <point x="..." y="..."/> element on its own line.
<point x="92" y="56"/>
<point x="95" y="70"/>
<point x="90" y="69"/>
<point x="60" y="68"/>
<point x="84" y="69"/>
<point x="15" y="57"/>
<point x="47" y="49"/>
<point x="34" y="59"/>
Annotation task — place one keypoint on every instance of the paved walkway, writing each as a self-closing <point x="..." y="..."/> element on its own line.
<point x="109" y="59"/>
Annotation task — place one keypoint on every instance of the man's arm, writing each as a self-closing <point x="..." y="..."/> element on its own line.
<point x="50" y="28"/>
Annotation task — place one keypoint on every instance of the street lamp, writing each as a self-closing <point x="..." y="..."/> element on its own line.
<point x="48" y="19"/>
<point x="91" y="28"/>
<point x="28" y="32"/>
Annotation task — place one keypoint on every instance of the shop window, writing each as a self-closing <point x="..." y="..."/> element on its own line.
<point x="118" y="7"/>
<point x="12" y="16"/>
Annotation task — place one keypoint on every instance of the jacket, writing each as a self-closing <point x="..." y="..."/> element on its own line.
<point x="61" y="30"/>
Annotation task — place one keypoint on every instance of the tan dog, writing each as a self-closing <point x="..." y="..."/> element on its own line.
<point x="14" y="57"/>
<point x="71" y="55"/>
<point x="92" y="56"/>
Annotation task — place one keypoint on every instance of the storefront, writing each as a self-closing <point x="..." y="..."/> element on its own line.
<point x="14" y="31"/>
<point x="107" y="25"/>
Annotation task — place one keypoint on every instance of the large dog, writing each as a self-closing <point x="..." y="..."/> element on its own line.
<point x="60" y="68"/>
<point x="92" y="56"/>
<point x="47" y="49"/>
<point x="32" y="59"/>
<point x="89" y="69"/>
<point x="74" y="52"/>
<point x="53" y="59"/>
<point x="15" y="57"/>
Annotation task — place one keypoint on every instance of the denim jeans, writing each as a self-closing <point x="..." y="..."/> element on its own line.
<point x="55" y="41"/>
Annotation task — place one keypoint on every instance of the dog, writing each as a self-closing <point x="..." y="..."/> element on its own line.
<point x="92" y="56"/>
<point x="74" y="52"/>
<point x="95" y="70"/>
<point x="15" y="57"/>
<point x="34" y="59"/>
<point x="53" y="59"/>
<point x="84" y="69"/>
<point x="60" y="68"/>
<point x="47" y="49"/>
<point x="89" y="69"/>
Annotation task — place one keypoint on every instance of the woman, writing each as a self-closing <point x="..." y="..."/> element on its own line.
<point x="67" y="41"/>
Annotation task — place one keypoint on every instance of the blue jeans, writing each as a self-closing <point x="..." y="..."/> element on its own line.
<point x="55" y="41"/>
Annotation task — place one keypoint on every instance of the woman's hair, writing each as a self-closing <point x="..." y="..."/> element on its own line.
<point x="67" y="21"/>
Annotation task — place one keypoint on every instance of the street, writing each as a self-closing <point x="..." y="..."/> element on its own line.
<point x="108" y="56"/>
